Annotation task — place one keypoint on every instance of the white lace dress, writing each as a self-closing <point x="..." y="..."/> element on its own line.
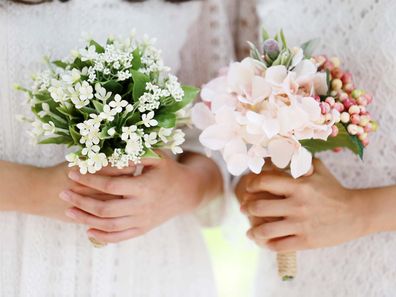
<point x="362" y="33"/>
<point x="40" y="257"/>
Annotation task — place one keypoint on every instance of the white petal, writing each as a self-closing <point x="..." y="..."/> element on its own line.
<point x="301" y="162"/>
<point x="291" y="117"/>
<point x="297" y="58"/>
<point x="215" y="137"/>
<point x="201" y="116"/>
<point x="214" y="88"/>
<point x="237" y="164"/>
<point x="305" y="68"/>
<point x="311" y="106"/>
<point x="276" y="74"/>
<point x="233" y="147"/>
<point x="320" y="83"/>
<point x="239" y="77"/>
<point x="261" y="89"/>
<point x="256" y="160"/>
<point x="281" y="151"/>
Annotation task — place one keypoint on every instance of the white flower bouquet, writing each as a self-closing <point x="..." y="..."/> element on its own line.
<point x="114" y="103"/>
<point x="285" y="105"/>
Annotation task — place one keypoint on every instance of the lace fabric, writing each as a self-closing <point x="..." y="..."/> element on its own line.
<point x="362" y="34"/>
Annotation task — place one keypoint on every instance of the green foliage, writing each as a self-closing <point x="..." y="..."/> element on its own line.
<point x="309" y="47"/>
<point x="113" y="86"/>
<point x="56" y="140"/>
<point x="99" y="49"/>
<point x="139" y="84"/>
<point x="343" y="139"/>
<point x="167" y="120"/>
<point x="190" y="93"/>
<point x="137" y="60"/>
<point x="74" y="134"/>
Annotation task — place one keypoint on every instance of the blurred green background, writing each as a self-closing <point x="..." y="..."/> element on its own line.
<point x="234" y="264"/>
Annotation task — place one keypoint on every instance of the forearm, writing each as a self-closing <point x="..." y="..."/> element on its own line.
<point x="17" y="182"/>
<point x="379" y="208"/>
<point x="206" y="174"/>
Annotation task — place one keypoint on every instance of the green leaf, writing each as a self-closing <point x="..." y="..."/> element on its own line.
<point x="255" y="53"/>
<point x="113" y="86"/>
<point x="167" y="120"/>
<point x="56" y="140"/>
<point x="309" y="47"/>
<point x="74" y="134"/>
<point x="282" y="36"/>
<point x="343" y="139"/>
<point x="137" y="60"/>
<point x="151" y="154"/>
<point x="60" y="64"/>
<point x="139" y="84"/>
<point x="43" y="96"/>
<point x="264" y="34"/>
<point x="99" y="49"/>
<point x="190" y="93"/>
<point x="98" y="105"/>
<point x="78" y="64"/>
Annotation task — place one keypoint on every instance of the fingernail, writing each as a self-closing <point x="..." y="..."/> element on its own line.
<point x="65" y="196"/>
<point x="243" y="209"/>
<point x="250" y="235"/>
<point x="73" y="175"/>
<point x="69" y="213"/>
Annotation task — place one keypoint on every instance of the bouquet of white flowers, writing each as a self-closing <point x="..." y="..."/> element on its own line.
<point x="115" y="103"/>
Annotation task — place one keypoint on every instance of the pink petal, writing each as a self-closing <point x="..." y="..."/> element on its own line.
<point x="261" y="89"/>
<point x="239" y="77"/>
<point x="311" y="106"/>
<point x="281" y="151"/>
<point x="214" y="88"/>
<point x="301" y="162"/>
<point x="201" y="116"/>
<point x="216" y="136"/>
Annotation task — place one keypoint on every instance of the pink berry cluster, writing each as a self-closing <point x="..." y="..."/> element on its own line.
<point x="347" y="99"/>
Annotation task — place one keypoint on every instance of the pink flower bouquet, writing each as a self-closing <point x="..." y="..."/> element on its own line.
<point x="282" y="104"/>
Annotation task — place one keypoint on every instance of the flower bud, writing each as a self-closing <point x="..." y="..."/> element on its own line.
<point x="369" y="98"/>
<point x="337" y="73"/>
<point x="325" y="107"/>
<point x="374" y="126"/>
<point x="354" y="109"/>
<point x="336" y="61"/>
<point x="355" y="119"/>
<point x="330" y="101"/>
<point x="364" y="120"/>
<point x="353" y="129"/>
<point x="336" y="84"/>
<point x="349" y="87"/>
<point x="337" y="149"/>
<point x="347" y="103"/>
<point x="357" y="93"/>
<point x="346" y="78"/>
<point x="365" y="142"/>
<point x="345" y="117"/>
<point x="334" y="131"/>
<point x="271" y="48"/>
<point x="363" y="136"/>
<point x="362" y="100"/>
<point x="339" y="106"/>
<point x="344" y="96"/>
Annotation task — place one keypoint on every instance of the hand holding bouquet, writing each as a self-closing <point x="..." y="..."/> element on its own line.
<point x="115" y="103"/>
<point x="285" y="105"/>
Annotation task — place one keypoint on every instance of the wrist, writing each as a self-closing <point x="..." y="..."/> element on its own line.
<point x="377" y="210"/>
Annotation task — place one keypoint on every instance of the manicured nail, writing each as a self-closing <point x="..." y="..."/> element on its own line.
<point x="69" y="213"/>
<point x="74" y="175"/>
<point x="65" y="196"/>
<point x="243" y="209"/>
<point x="250" y="235"/>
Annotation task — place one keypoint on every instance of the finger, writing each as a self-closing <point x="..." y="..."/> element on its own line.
<point x="269" y="208"/>
<point x="288" y="244"/>
<point x="273" y="230"/>
<point x="114" y="171"/>
<point x="103" y="224"/>
<point x="276" y="183"/>
<point x="114" y="237"/>
<point x="121" y="185"/>
<point x="104" y="209"/>
<point x="151" y="161"/>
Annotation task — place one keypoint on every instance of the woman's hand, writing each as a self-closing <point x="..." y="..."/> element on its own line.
<point x="33" y="190"/>
<point x="313" y="211"/>
<point x="166" y="189"/>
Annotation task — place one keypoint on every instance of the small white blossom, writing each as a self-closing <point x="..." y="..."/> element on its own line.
<point x="174" y="88"/>
<point x="72" y="76"/>
<point x="150" y="139"/>
<point x="96" y="162"/>
<point x="164" y="133"/>
<point x="49" y="128"/>
<point x="101" y="93"/>
<point x="57" y="91"/>
<point x="117" y="104"/>
<point x="128" y="132"/>
<point x="91" y="148"/>
<point x="123" y="75"/>
<point x="45" y="110"/>
<point x="148" y="119"/>
<point x="111" y="131"/>
<point x="88" y="53"/>
<point x="108" y="113"/>
<point x="178" y="139"/>
<point x="73" y="159"/>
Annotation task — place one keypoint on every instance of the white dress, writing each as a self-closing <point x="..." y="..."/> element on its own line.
<point x="362" y="33"/>
<point x="41" y="257"/>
